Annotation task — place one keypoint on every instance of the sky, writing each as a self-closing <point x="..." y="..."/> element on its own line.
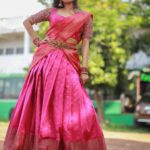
<point x="11" y="8"/>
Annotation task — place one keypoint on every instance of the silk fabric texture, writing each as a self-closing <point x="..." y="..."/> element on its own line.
<point x="53" y="110"/>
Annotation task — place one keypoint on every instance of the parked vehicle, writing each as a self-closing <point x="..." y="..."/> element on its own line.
<point x="10" y="87"/>
<point x="142" y="111"/>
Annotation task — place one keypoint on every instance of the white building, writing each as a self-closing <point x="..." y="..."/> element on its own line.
<point x="15" y="45"/>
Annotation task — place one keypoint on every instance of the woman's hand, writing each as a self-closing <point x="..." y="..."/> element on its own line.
<point x="84" y="77"/>
<point x="44" y="40"/>
<point x="37" y="42"/>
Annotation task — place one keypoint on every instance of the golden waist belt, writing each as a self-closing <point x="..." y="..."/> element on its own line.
<point x="59" y="44"/>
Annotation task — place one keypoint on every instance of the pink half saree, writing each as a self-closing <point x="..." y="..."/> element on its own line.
<point x="54" y="111"/>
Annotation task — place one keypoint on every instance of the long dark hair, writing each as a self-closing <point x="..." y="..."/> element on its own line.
<point x="56" y="4"/>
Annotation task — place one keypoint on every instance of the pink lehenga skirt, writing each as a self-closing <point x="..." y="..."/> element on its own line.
<point x="54" y="111"/>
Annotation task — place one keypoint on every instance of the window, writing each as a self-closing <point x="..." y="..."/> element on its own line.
<point x="10" y="87"/>
<point x="31" y="50"/>
<point x="9" y="51"/>
<point x="1" y="88"/>
<point x="19" y="50"/>
<point x="1" y="51"/>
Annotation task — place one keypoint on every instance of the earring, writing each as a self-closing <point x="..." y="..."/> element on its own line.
<point x="60" y="4"/>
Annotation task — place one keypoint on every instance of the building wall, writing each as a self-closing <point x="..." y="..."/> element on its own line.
<point x="15" y="46"/>
<point x="13" y="55"/>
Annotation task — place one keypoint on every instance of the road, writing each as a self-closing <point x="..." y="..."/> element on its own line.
<point x="117" y="144"/>
<point x="114" y="140"/>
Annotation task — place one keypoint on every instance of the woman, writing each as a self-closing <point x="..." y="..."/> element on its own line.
<point x="53" y="110"/>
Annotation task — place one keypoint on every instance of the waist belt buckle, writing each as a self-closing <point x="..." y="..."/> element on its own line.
<point x="58" y="44"/>
<point x="61" y="45"/>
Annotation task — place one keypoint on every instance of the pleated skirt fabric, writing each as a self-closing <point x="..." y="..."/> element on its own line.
<point x="54" y="111"/>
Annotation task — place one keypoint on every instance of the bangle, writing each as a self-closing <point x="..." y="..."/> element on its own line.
<point x="36" y="41"/>
<point x="84" y="70"/>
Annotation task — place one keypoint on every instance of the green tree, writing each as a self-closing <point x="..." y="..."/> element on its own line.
<point x="141" y="8"/>
<point x="108" y="53"/>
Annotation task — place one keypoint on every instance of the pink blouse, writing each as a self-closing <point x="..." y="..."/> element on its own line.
<point x="46" y="15"/>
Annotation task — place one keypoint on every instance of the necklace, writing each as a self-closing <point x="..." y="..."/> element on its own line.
<point x="75" y="11"/>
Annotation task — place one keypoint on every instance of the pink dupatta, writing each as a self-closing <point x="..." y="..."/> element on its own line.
<point x="63" y="30"/>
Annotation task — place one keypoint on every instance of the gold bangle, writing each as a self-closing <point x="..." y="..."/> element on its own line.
<point x="84" y="72"/>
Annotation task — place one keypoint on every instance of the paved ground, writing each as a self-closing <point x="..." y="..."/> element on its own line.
<point x="117" y="144"/>
<point x="114" y="140"/>
<point x="1" y="145"/>
<point x="132" y="136"/>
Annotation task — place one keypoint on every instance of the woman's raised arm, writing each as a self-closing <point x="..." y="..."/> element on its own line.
<point x="40" y="16"/>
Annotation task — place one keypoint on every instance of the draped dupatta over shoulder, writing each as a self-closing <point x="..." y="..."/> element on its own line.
<point x="63" y="28"/>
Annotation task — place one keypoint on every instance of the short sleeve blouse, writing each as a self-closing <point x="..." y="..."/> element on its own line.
<point x="42" y="15"/>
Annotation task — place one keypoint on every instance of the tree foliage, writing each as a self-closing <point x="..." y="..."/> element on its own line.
<point x="112" y="23"/>
<point x="141" y="8"/>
